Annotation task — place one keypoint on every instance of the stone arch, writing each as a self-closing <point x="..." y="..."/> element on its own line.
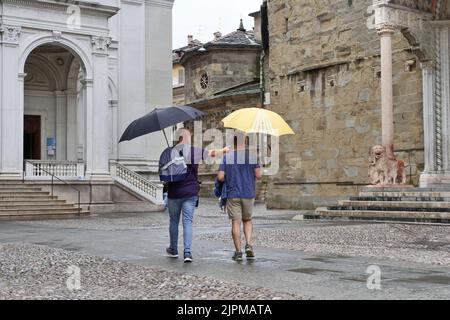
<point x="47" y="68"/>
<point x="113" y="90"/>
<point x="65" y="42"/>
<point x="73" y="74"/>
<point x="69" y="127"/>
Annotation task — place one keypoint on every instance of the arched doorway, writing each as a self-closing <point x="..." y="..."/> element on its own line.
<point x="54" y="105"/>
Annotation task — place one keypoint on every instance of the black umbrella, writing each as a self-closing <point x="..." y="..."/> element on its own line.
<point x="159" y="119"/>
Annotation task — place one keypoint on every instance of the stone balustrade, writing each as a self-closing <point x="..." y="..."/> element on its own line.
<point x="43" y="170"/>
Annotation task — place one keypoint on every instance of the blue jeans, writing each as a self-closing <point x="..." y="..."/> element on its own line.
<point x="185" y="206"/>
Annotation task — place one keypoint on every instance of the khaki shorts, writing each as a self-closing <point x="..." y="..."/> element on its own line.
<point x="240" y="209"/>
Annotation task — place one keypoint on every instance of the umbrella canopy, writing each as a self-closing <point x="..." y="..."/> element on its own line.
<point x="257" y="120"/>
<point x="159" y="119"/>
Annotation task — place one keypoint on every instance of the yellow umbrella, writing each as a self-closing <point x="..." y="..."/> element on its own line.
<point x="257" y="120"/>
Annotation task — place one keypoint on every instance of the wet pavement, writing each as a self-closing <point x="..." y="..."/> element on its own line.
<point x="309" y="274"/>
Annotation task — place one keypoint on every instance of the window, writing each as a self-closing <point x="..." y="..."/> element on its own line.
<point x="181" y="77"/>
<point x="204" y="81"/>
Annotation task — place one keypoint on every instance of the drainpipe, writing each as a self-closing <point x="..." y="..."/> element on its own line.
<point x="261" y="77"/>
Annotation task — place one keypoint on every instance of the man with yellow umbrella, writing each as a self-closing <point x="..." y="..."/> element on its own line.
<point x="240" y="169"/>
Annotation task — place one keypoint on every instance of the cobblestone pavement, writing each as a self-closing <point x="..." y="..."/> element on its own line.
<point x="122" y="256"/>
<point x="208" y="214"/>
<point x="38" y="272"/>
<point x="405" y="242"/>
<point x="415" y="243"/>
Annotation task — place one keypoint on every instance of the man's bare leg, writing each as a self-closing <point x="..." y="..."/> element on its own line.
<point x="236" y="234"/>
<point x="248" y="231"/>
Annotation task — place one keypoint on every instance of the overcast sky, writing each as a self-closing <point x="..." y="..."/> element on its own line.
<point x="202" y="18"/>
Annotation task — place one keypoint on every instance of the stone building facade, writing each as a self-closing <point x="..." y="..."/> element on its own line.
<point x="178" y="71"/>
<point x="324" y="74"/>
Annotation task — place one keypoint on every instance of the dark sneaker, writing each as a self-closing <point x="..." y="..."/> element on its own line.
<point x="172" y="253"/>
<point x="237" y="256"/>
<point x="249" y="252"/>
<point x="187" y="258"/>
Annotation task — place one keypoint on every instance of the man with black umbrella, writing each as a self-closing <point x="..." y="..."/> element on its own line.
<point x="183" y="195"/>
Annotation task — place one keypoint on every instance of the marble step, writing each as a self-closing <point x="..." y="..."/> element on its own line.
<point x="411" y="193"/>
<point x="44" y="215"/>
<point x="20" y="190"/>
<point x="36" y="206"/>
<point x="382" y="208"/>
<point x="53" y="211"/>
<point x="385" y="215"/>
<point x="395" y="204"/>
<point x="29" y="201"/>
<point x="24" y="194"/>
<point x="30" y="197"/>
<point x="407" y="199"/>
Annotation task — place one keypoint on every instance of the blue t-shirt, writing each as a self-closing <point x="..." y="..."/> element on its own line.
<point x="239" y="167"/>
<point x="189" y="187"/>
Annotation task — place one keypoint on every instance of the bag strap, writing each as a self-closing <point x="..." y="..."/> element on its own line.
<point x="176" y="160"/>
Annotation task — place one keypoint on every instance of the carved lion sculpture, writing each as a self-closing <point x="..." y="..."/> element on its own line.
<point x="384" y="170"/>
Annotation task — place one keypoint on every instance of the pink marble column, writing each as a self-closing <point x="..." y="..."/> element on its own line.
<point x="387" y="97"/>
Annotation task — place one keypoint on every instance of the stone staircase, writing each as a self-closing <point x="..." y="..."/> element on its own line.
<point x="393" y="204"/>
<point x="25" y="201"/>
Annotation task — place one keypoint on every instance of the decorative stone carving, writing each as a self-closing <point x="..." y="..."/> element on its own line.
<point x="414" y="24"/>
<point x="101" y="44"/>
<point x="10" y="34"/>
<point x="57" y="35"/>
<point x="385" y="171"/>
<point x="387" y="12"/>
<point x="386" y="28"/>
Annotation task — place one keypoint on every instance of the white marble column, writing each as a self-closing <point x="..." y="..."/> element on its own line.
<point x="11" y="104"/>
<point x="445" y="107"/>
<point x="387" y="98"/>
<point x="158" y="66"/>
<point x="71" y="135"/>
<point x="98" y="114"/>
<point x="429" y="127"/>
<point x="437" y="114"/>
<point x="88" y="113"/>
<point x="61" y="125"/>
<point x="114" y="139"/>
<point x="81" y="120"/>
<point x="132" y="62"/>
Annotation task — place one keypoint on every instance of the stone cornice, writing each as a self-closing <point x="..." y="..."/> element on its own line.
<point x="133" y="2"/>
<point x="51" y="4"/>
<point x="402" y="17"/>
<point x="160" y="3"/>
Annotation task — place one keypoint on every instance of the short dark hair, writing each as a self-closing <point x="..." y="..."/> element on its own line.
<point x="239" y="137"/>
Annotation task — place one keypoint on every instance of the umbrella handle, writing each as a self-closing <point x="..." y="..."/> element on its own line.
<point x="165" y="136"/>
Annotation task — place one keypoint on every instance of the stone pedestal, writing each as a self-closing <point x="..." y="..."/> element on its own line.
<point x="428" y="180"/>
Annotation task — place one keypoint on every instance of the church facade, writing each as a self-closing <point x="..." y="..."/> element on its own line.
<point x="74" y="74"/>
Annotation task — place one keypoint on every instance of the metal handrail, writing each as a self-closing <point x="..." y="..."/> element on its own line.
<point x="54" y="176"/>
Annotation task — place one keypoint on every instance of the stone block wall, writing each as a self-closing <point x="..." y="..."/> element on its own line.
<point x="324" y="79"/>
<point x="225" y="69"/>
